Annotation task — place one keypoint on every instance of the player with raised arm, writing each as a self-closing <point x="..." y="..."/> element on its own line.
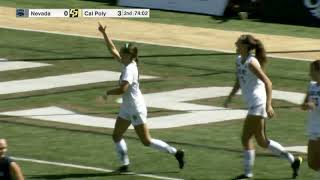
<point x="133" y="109"/>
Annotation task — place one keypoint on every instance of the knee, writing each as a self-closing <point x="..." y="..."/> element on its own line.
<point x="146" y="142"/>
<point x="116" y="138"/>
<point x="263" y="143"/>
<point x="246" y="143"/>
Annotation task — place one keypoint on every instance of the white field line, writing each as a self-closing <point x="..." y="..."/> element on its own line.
<point x="145" y="42"/>
<point x="66" y="80"/>
<point x="88" y="168"/>
<point x="299" y="149"/>
<point x="6" y="65"/>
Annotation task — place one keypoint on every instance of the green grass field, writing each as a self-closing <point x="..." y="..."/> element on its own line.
<point x="213" y="151"/>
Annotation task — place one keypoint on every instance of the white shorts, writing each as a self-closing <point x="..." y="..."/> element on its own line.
<point x="259" y="110"/>
<point x="136" y="118"/>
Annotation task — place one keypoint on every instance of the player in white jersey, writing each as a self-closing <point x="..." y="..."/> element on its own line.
<point x="312" y="104"/>
<point x="256" y="89"/>
<point x="133" y="109"/>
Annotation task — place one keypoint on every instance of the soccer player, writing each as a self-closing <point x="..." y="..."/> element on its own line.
<point x="133" y="109"/>
<point x="256" y="88"/>
<point x="9" y="170"/>
<point x="312" y="104"/>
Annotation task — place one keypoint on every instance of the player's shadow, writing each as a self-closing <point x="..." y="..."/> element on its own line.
<point x="76" y="58"/>
<point x="74" y="175"/>
<point x="90" y="175"/>
<point x="221" y="19"/>
<point x="285" y="178"/>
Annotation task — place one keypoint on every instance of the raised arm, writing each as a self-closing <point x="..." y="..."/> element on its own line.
<point x="111" y="47"/>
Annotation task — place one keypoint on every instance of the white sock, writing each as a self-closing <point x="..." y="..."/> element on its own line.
<point x="162" y="146"/>
<point x="279" y="150"/>
<point x="122" y="151"/>
<point x="249" y="157"/>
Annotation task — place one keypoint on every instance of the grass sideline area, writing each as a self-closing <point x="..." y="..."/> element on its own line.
<point x="213" y="150"/>
<point x="177" y="18"/>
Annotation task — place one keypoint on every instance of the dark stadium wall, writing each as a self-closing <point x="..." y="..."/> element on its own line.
<point x="299" y="12"/>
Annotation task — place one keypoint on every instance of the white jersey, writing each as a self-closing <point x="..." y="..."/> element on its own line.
<point x="132" y="99"/>
<point x="253" y="89"/>
<point x="314" y="115"/>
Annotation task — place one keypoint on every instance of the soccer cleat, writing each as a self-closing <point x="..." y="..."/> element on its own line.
<point x="242" y="176"/>
<point x="122" y="169"/>
<point x="296" y="166"/>
<point x="180" y="158"/>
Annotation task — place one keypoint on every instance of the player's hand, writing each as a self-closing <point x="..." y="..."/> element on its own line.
<point x="101" y="28"/>
<point x="270" y="111"/>
<point x="309" y="106"/>
<point x="103" y="98"/>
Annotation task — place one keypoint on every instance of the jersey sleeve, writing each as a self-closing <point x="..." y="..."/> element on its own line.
<point x="8" y="160"/>
<point x="312" y="83"/>
<point x="238" y="60"/>
<point x="310" y="86"/>
<point x="254" y="60"/>
<point x="127" y="75"/>
<point x="314" y="93"/>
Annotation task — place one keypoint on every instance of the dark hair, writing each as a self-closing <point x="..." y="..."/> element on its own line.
<point x="256" y="44"/>
<point x="316" y="65"/>
<point x="129" y="48"/>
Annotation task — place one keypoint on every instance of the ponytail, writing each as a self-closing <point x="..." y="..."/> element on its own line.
<point x="135" y="54"/>
<point x="257" y="45"/>
<point x="260" y="53"/>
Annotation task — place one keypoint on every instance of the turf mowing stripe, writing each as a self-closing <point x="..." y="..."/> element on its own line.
<point x="50" y="82"/>
<point x="89" y="168"/>
<point x="145" y="42"/>
<point x="6" y="65"/>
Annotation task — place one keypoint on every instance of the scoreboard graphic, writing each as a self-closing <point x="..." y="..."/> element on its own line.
<point x="86" y="13"/>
